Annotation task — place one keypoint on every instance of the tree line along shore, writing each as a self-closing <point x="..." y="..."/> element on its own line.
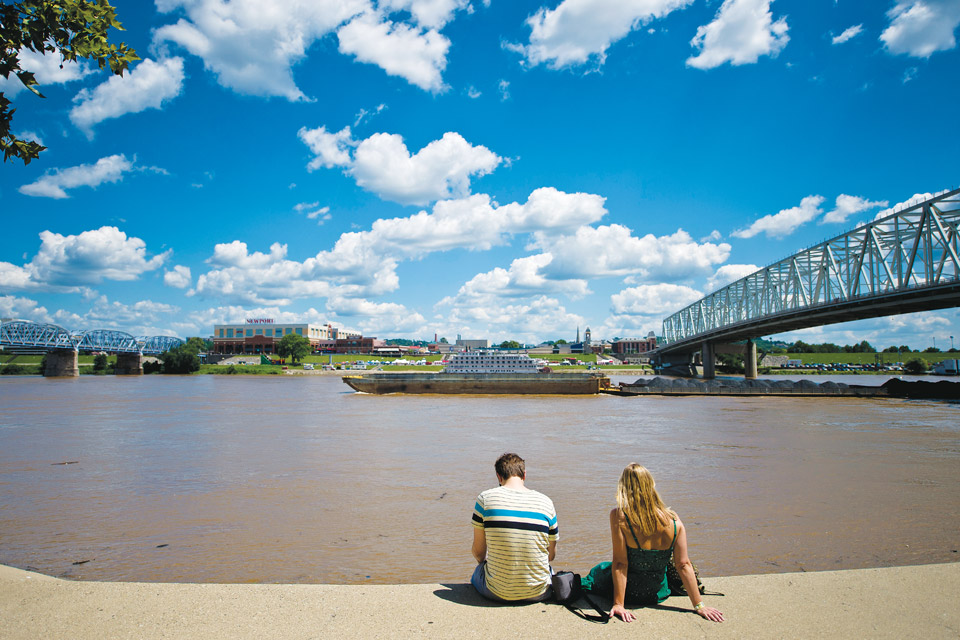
<point x="812" y="364"/>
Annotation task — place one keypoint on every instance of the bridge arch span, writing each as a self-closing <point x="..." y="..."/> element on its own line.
<point x="904" y="262"/>
<point x="22" y="333"/>
<point x="107" y="340"/>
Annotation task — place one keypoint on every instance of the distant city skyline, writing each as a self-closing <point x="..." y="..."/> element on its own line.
<point x="492" y="169"/>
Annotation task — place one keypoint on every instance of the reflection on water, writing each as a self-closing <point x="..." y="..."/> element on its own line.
<point x="263" y="479"/>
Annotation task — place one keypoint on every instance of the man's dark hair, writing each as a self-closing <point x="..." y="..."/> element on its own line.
<point x="509" y="465"/>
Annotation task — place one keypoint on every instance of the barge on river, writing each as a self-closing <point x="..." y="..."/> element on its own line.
<point x="483" y="373"/>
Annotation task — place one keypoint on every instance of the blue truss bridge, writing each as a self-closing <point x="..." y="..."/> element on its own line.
<point x="904" y="262"/>
<point x="62" y="346"/>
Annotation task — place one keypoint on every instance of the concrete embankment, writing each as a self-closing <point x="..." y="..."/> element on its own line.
<point x="901" y="602"/>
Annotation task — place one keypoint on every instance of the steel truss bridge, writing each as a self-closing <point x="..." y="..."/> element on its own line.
<point x="19" y="335"/>
<point x="904" y="262"/>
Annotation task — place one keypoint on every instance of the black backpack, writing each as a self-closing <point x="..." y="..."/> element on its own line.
<point x="567" y="591"/>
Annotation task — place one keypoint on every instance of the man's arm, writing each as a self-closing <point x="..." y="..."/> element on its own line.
<point x="551" y="550"/>
<point x="480" y="545"/>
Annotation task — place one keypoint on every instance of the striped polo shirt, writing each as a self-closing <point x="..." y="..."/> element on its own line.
<point x="518" y="525"/>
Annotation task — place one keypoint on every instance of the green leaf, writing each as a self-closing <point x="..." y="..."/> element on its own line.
<point x="29" y="82"/>
<point x="71" y="29"/>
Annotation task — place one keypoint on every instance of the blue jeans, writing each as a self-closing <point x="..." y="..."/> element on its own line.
<point x="479" y="582"/>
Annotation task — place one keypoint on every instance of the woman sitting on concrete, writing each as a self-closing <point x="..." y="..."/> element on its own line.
<point x="645" y="533"/>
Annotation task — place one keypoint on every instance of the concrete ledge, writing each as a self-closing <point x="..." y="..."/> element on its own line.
<point x="902" y="602"/>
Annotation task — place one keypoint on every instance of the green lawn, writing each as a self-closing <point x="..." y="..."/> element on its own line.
<point x="247" y="370"/>
<point x="868" y="358"/>
<point x="11" y="358"/>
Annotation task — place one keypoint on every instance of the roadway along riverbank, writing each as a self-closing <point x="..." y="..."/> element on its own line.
<point x="900" y="602"/>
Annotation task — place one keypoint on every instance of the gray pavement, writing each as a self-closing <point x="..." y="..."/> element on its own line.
<point x="901" y="602"/>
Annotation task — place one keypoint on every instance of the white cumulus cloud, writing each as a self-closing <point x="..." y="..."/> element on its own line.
<point x="398" y="316"/>
<point x="578" y="30"/>
<point x="524" y="278"/>
<point x="785" y="222"/>
<point x="364" y="263"/>
<point x="442" y="169"/>
<point x="848" y="33"/>
<point x="641" y="309"/>
<point x="178" y="277"/>
<point x="846" y="206"/>
<point x="384" y="165"/>
<point x="729" y="273"/>
<point x="55" y="183"/>
<point x="64" y="262"/>
<point x="145" y="86"/>
<point x="427" y="13"/>
<point x="653" y="300"/>
<point x="22" y="308"/>
<point x="252" y="45"/>
<point x="526" y="320"/>
<point x="920" y="28"/>
<point x="613" y="251"/>
<point x="14" y="278"/>
<point x="741" y="32"/>
<point x="100" y="254"/>
<point x="139" y="318"/>
<point x="46" y="69"/>
<point x="416" y="55"/>
<point x="331" y="149"/>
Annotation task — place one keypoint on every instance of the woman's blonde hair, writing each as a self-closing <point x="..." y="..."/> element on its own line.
<point x="639" y="501"/>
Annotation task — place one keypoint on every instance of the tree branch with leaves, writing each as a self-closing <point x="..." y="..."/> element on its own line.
<point x="71" y="29"/>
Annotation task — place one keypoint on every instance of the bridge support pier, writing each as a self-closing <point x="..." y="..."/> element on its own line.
<point x="750" y="361"/>
<point x="61" y="364"/>
<point x="129" y="364"/>
<point x="709" y="365"/>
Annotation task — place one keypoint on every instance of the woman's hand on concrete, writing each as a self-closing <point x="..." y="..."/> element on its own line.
<point x="709" y="613"/>
<point x="623" y="614"/>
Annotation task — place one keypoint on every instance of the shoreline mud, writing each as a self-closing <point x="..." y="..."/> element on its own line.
<point x="898" y="602"/>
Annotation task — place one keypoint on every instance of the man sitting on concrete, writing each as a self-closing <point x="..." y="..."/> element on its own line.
<point x="514" y="537"/>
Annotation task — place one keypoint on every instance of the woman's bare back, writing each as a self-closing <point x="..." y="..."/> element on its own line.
<point x="660" y="540"/>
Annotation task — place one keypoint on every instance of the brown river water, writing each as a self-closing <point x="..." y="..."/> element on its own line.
<point x="299" y="479"/>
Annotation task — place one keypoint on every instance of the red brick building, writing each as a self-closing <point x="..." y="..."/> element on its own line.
<point x="359" y="344"/>
<point x="627" y="346"/>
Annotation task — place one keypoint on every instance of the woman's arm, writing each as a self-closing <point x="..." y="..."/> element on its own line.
<point x="681" y="560"/>
<point x="619" y="569"/>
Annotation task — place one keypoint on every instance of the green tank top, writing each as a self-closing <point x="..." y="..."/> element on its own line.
<point x="647" y="571"/>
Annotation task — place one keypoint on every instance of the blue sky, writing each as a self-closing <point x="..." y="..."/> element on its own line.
<point x="491" y="168"/>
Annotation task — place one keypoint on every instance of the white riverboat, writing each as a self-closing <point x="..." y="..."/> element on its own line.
<point x="487" y="372"/>
<point x="491" y="362"/>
